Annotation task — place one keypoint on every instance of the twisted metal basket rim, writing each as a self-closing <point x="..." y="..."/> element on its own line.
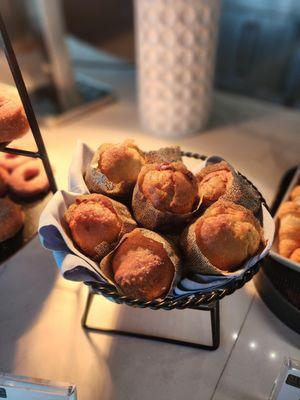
<point x="185" y="301"/>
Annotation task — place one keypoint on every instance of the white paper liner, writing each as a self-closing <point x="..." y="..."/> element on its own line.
<point x="76" y="266"/>
<point x="81" y="160"/>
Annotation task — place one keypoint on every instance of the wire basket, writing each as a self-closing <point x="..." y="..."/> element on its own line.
<point x="194" y="301"/>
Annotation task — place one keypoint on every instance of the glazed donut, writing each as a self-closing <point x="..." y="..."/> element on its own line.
<point x="4" y="176"/>
<point x="11" y="219"/>
<point x="29" y="179"/>
<point x="11" y="161"/>
<point x="13" y="120"/>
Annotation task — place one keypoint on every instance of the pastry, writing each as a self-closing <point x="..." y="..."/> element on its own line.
<point x="11" y="161"/>
<point x="214" y="181"/>
<point x="143" y="266"/>
<point x="295" y="194"/>
<point x="4" y="176"/>
<point x="289" y="228"/>
<point x="114" y="169"/>
<point x="13" y="120"/>
<point x="166" y="194"/>
<point x="29" y="179"/>
<point x="11" y="219"/>
<point x="223" y="238"/>
<point x="97" y="223"/>
<point x="220" y="181"/>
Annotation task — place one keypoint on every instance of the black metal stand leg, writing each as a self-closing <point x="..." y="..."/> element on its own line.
<point x="215" y="325"/>
<point x="87" y="307"/>
<point x="214" y="317"/>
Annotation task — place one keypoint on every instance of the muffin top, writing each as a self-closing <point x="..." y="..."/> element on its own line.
<point x="227" y="234"/>
<point x="170" y="187"/>
<point x="92" y="221"/>
<point x="214" y="181"/>
<point x="142" y="267"/>
<point x="121" y="162"/>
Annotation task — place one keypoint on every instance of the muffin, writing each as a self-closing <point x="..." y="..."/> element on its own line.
<point x="166" y="195"/>
<point x="97" y="223"/>
<point x="114" y="169"/>
<point x="144" y="265"/>
<point x="214" y="181"/>
<point x="222" y="239"/>
<point x="11" y="219"/>
<point x="220" y="181"/>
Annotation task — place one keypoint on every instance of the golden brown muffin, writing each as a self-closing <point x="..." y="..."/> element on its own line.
<point x="121" y="162"/>
<point x="114" y="169"/>
<point x="296" y="255"/>
<point x="13" y="120"/>
<point x="214" y="181"/>
<point x="170" y="187"/>
<point x="11" y="219"/>
<point x="4" y="177"/>
<point x="97" y="222"/>
<point x="142" y="268"/>
<point x="227" y="235"/>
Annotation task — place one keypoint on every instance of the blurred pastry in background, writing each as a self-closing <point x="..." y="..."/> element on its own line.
<point x="13" y="120"/>
<point x="29" y="179"/>
<point x="4" y="176"/>
<point x="289" y="229"/>
<point x="114" y="169"/>
<point x="11" y="161"/>
<point x="11" y="219"/>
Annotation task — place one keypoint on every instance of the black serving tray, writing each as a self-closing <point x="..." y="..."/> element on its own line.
<point x="278" y="285"/>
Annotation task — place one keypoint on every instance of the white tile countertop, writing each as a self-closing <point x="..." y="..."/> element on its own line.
<point x="40" y="331"/>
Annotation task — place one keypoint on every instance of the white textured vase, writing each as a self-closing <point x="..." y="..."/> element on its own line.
<point x="175" y="43"/>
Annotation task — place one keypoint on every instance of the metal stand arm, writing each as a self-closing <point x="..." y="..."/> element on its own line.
<point x="213" y="308"/>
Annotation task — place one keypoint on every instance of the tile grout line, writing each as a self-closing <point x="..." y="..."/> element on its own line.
<point x="233" y="347"/>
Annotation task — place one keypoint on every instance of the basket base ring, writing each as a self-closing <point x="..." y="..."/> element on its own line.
<point x="213" y="308"/>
